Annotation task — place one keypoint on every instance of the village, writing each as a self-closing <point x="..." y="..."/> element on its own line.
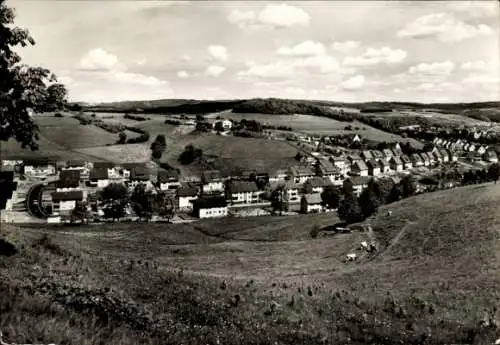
<point x="74" y="191"/>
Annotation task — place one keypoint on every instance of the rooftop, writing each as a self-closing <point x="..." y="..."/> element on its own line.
<point x="318" y="182"/>
<point x="242" y="187"/>
<point x="359" y="180"/>
<point x="67" y="196"/>
<point x="211" y="202"/>
<point x="168" y="175"/>
<point x="99" y="174"/>
<point x="106" y="165"/>
<point x="187" y="189"/>
<point x="211" y="176"/>
<point x="313" y="198"/>
<point x="68" y="179"/>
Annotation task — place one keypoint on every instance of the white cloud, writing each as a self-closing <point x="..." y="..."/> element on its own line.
<point x="345" y="47"/>
<point x="306" y="48"/>
<point x="137" y="79"/>
<point x="482" y="80"/>
<point x="373" y="56"/>
<point x="425" y="86"/>
<point x="183" y="74"/>
<point x="322" y="64"/>
<point x="272" y="16"/>
<point x="214" y="70"/>
<point x="354" y="83"/>
<point x="474" y="66"/>
<point x="217" y="53"/>
<point x="100" y="60"/>
<point x="435" y="68"/>
<point x="444" y="27"/>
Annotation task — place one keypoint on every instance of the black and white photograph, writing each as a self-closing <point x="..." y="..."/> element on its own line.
<point x="223" y="172"/>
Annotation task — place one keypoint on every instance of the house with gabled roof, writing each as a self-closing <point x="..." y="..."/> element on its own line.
<point x="186" y="194"/>
<point x="444" y="155"/>
<point x="243" y="192"/>
<point x="311" y="203"/>
<point x="317" y="184"/>
<point x="341" y="163"/>
<point x="210" y="207"/>
<point x="458" y="145"/>
<point x="387" y="154"/>
<point x="432" y="158"/>
<point x="366" y="155"/>
<point x="68" y="180"/>
<point x="301" y="173"/>
<point x="453" y="155"/>
<point x="437" y="155"/>
<point x="63" y="203"/>
<point x="482" y="149"/>
<point x="377" y="154"/>
<point x="385" y="166"/>
<point x="168" y="179"/>
<point x="278" y="175"/>
<point x="396" y="163"/>
<point x="330" y="171"/>
<point x="358" y="183"/>
<point x="113" y="171"/>
<point x="39" y="168"/>
<point x="407" y="163"/>
<point x="212" y="182"/>
<point x="373" y="167"/>
<point x="416" y="159"/>
<point x="425" y="159"/>
<point x="359" y="168"/>
<point x="397" y="149"/>
<point x="99" y="177"/>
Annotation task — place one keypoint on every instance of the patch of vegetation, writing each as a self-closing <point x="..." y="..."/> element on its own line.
<point x="190" y="154"/>
<point x="135" y="118"/>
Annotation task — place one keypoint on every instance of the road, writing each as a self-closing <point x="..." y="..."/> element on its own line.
<point x="35" y="194"/>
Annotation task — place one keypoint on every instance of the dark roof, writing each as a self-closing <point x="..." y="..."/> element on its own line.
<point x="313" y="198"/>
<point x="301" y="171"/>
<point x="416" y="157"/>
<point x="37" y="162"/>
<point x="187" y="189"/>
<point x="327" y="167"/>
<point x="107" y="165"/>
<point x="242" y="187"/>
<point x="388" y="153"/>
<point x="396" y="160"/>
<point x="212" y="202"/>
<point x="373" y="164"/>
<point x="68" y="179"/>
<point x="318" y="182"/>
<point x="211" y="175"/>
<point x="168" y="175"/>
<point x="367" y="154"/>
<point x="405" y="159"/>
<point x="99" y="174"/>
<point x="359" y="180"/>
<point x="377" y="154"/>
<point x="66" y="196"/>
<point x="75" y="163"/>
<point x="139" y="173"/>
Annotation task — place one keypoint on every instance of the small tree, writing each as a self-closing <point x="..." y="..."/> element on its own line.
<point x="494" y="172"/>
<point x="122" y="138"/>
<point x="408" y="186"/>
<point x="331" y="196"/>
<point x="56" y="97"/>
<point x="158" y="146"/>
<point x="142" y="202"/>
<point x="218" y="127"/>
<point x="80" y="212"/>
<point x="277" y="200"/>
<point x="369" y="200"/>
<point x="115" y="198"/>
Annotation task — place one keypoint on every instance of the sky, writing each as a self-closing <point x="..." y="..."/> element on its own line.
<point x="103" y="51"/>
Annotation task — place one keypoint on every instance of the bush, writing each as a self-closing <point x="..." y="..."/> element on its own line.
<point x="173" y="122"/>
<point x="58" y="115"/>
<point x="135" y="118"/>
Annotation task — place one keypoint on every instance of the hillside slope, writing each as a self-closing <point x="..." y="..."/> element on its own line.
<point x="262" y="280"/>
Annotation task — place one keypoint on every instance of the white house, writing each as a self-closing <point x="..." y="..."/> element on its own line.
<point x="243" y="192"/>
<point x="291" y="192"/>
<point x="278" y="176"/>
<point x="317" y="184"/>
<point x="425" y="159"/>
<point x="491" y="156"/>
<point x="113" y="172"/>
<point x="301" y="174"/>
<point x="210" y="207"/>
<point x="407" y="163"/>
<point x="63" y="203"/>
<point x="444" y="155"/>
<point x="311" y="203"/>
<point x="225" y="123"/>
<point x="396" y="164"/>
<point x="358" y="183"/>
<point x="168" y="179"/>
<point x="186" y="194"/>
<point x="329" y="170"/>
<point x="212" y="181"/>
<point x="482" y="149"/>
<point x="359" y="168"/>
<point x="385" y="167"/>
<point x="341" y="163"/>
<point x="39" y="168"/>
<point x="417" y="160"/>
<point x="373" y="167"/>
<point x="387" y="154"/>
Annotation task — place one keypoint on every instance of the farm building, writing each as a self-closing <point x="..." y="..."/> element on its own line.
<point x="210" y="207"/>
<point x="99" y="177"/>
<point x="186" y="194"/>
<point x="317" y="184"/>
<point x="140" y="174"/>
<point x="68" y="180"/>
<point x="243" y="192"/>
<point x="396" y="164"/>
<point x="373" y="167"/>
<point x="301" y="174"/>
<point x="63" y="203"/>
<point x="225" y="124"/>
<point x="39" y="168"/>
<point x="311" y="203"/>
<point x="359" y="168"/>
<point x="168" y="179"/>
<point x="213" y="182"/>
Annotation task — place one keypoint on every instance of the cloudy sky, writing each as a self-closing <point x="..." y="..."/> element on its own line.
<point x="357" y="51"/>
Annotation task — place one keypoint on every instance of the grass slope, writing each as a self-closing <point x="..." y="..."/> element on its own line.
<point x="261" y="281"/>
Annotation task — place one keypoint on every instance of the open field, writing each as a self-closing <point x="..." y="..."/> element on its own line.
<point x="436" y="272"/>
<point x="317" y="125"/>
<point x="442" y="118"/>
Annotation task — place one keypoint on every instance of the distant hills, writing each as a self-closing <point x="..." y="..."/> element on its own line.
<point x="488" y="111"/>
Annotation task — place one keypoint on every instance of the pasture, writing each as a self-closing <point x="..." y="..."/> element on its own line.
<point x="434" y="275"/>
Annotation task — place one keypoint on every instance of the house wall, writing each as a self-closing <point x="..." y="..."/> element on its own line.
<point x="314" y="208"/>
<point x="213" y="212"/>
<point x="66" y="189"/>
<point x="375" y="172"/>
<point x="39" y="171"/>
<point x="213" y="187"/>
<point x="408" y="166"/>
<point x="169" y="185"/>
<point x="185" y="202"/>
<point x="302" y="179"/>
<point x="278" y="178"/>
<point x="292" y="195"/>
<point x="357" y="189"/>
<point x="245" y="197"/>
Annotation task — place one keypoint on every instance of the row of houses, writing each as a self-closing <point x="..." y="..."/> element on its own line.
<point x="465" y="146"/>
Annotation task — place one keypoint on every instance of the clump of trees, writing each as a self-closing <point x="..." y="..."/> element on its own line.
<point x="133" y="117"/>
<point x="122" y="138"/>
<point x="145" y="203"/>
<point x="190" y="154"/>
<point x="173" y="122"/>
<point x="158" y="146"/>
<point x="142" y="138"/>
<point x="492" y="174"/>
<point x="114" y="199"/>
